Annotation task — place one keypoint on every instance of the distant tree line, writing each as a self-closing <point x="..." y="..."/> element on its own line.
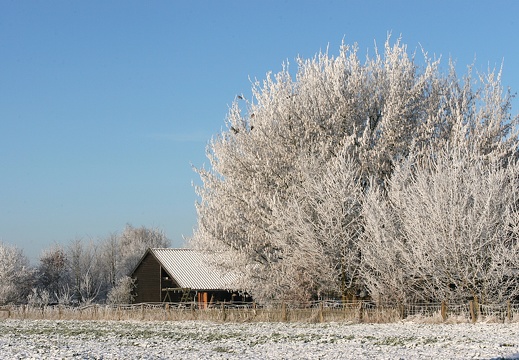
<point x="390" y="178"/>
<point x="81" y="272"/>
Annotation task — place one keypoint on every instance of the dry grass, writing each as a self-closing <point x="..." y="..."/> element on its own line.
<point x="355" y="312"/>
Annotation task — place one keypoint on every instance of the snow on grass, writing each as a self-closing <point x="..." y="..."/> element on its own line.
<point x="51" y="339"/>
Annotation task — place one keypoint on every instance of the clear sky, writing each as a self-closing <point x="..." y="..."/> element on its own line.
<point x="106" y="105"/>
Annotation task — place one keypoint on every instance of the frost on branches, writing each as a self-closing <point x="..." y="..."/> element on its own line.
<point x="15" y="275"/>
<point x="320" y="182"/>
<point x="446" y="230"/>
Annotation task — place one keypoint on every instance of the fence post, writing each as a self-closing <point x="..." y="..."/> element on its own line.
<point x="321" y="316"/>
<point x="360" y="311"/>
<point x="283" y="311"/>
<point x="142" y="311"/>
<point x="476" y="307"/>
<point x="167" y="314"/>
<point x="402" y="311"/>
<point x="224" y="315"/>
<point x="508" y="311"/>
<point x="444" y="310"/>
<point x="472" y="311"/>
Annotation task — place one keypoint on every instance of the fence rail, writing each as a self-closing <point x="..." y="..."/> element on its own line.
<point x="319" y="311"/>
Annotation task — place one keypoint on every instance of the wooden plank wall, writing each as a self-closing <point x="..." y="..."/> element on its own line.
<point x="147" y="277"/>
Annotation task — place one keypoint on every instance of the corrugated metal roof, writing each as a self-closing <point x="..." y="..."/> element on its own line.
<point x="192" y="269"/>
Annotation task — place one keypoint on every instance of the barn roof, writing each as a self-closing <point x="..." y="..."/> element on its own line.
<point x="192" y="269"/>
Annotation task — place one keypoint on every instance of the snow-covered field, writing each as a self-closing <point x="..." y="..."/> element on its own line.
<point x="46" y="339"/>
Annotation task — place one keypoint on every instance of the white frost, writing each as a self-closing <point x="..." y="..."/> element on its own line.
<point x="45" y="339"/>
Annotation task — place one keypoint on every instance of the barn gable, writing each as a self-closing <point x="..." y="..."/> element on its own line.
<point x="145" y="274"/>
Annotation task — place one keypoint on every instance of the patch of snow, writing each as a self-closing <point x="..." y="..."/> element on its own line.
<point x="48" y="339"/>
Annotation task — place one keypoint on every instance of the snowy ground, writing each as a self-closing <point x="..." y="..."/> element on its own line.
<point x="41" y="339"/>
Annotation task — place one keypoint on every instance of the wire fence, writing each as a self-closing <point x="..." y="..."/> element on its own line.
<point x="318" y="311"/>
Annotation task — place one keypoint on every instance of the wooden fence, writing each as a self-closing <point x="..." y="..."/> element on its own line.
<point x="320" y="311"/>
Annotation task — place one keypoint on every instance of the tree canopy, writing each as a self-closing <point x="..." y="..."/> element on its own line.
<point x="323" y="173"/>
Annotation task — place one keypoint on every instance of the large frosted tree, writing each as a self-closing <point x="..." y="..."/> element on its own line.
<point x="283" y="196"/>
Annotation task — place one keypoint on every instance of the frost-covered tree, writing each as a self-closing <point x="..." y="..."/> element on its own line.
<point x="85" y="270"/>
<point x="281" y="197"/>
<point x="110" y="259"/>
<point x="447" y="230"/>
<point x="53" y="273"/>
<point x="16" y="276"/>
<point x="318" y="232"/>
<point x="39" y="298"/>
<point x="122" y="292"/>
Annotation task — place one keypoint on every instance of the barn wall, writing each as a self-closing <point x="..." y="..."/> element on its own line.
<point x="147" y="276"/>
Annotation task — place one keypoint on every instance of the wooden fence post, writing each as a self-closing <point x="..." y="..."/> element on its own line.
<point x="476" y="307"/>
<point x="283" y="311"/>
<point x="321" y="316"/>
<point x="402" y="311"/>
<point x="508" y="311"/>
<point x="472" y="311"/>
<point x="142" y="311"/>
<point x="444" y="310"/>
<point x="224" y="315"/>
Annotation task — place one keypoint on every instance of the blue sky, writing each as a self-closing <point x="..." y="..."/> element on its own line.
<point x="106" y="105"/>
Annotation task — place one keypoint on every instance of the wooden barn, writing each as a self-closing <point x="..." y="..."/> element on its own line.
<point x="179" y="275"/>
